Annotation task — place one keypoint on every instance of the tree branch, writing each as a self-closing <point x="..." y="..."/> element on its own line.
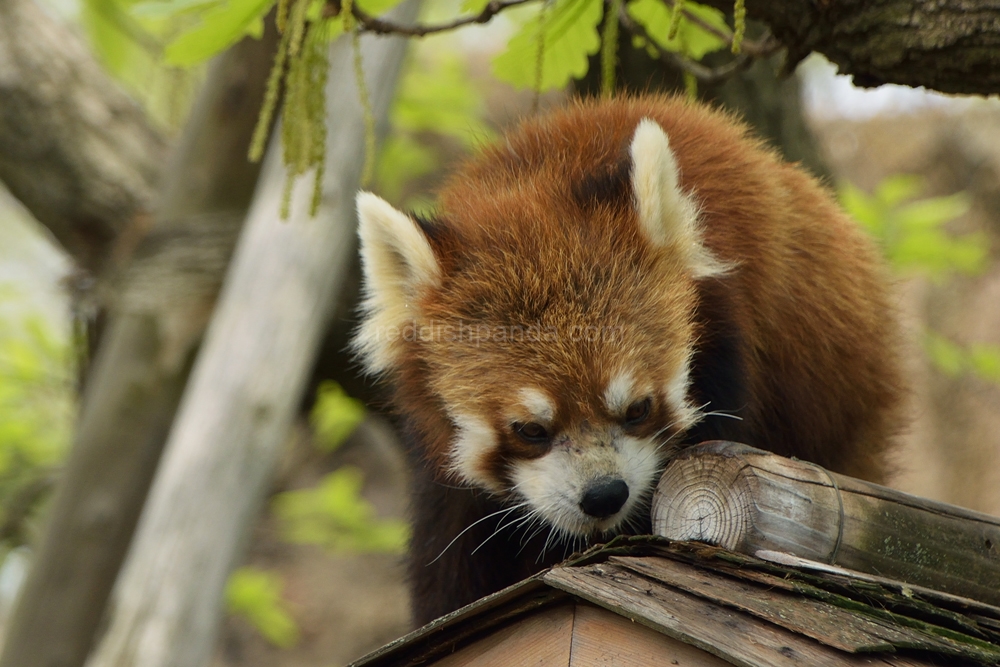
<point x="952" y="46"/>
<point x="382" y="26"/>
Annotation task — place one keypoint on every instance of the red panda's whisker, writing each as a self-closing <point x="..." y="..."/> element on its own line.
<point x="474" y="523"/>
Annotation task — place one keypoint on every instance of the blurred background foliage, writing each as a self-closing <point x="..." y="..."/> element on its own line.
<point x="157" y="49"/>
<point x="913" y="235"/>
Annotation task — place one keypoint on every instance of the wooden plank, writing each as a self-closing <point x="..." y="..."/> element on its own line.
<point x="823" y="622"/>
<point x="748" y="500"/>
<point x="543" y="639"/>
<point x="446" y="634"/>
<point x="734" y="636"/>
<point x="857" y="628"/>
<point x="602" y="638"/>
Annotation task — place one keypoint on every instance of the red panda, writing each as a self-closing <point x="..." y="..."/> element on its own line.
<point x="605" y="285"/>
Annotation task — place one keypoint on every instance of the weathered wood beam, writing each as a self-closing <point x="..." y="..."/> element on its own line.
<point x="753" y="502"/>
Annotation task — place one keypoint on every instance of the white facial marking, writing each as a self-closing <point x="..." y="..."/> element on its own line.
<point x="474" y="439"/>
<point x="554" y="484"/>
<point x="668" y="217"/>
<point x="618" y="394"/>
<point x="677" y="396"/>
<point x="538" y="404"/>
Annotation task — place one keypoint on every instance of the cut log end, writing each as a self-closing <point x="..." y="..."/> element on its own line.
<point x="707" y="498"/>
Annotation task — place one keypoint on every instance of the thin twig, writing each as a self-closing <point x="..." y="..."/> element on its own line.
<point x="380" y="26"/>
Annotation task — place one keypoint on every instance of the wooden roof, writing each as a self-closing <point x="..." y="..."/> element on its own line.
<point x="745" y="610"/>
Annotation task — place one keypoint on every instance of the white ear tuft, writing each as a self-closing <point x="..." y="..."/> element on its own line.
<point x="397" y="261"/>
<point x="668" y="217"/>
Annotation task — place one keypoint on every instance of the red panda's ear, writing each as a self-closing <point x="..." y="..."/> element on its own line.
<point x="668" y="217"/>
<point x="397" y="261"/>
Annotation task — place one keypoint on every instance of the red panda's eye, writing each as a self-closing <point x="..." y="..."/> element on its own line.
<point x="531" y="432"/>
<point x="637" y="412"/>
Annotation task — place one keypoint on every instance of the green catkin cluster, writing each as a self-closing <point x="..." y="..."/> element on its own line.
<point x="739" y="24"/>
<point x="675" y="18"/>
<point x="609" y="49"/>
<point x="301" y="62"/>
<point x="303" y="127"/>
<point x="350" y="28"/>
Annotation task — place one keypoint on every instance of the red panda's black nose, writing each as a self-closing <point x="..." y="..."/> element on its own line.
<point x="604" y="497"/>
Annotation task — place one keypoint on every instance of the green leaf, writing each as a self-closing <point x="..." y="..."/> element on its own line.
<point x="166" y="9"/>
<point x="570" y="36"/>
<point x="255" y="595"/>
<point x="335" y="415"/>
<point x="912" y="235"/>
<point x="474" y="6"/>
<point x="221" y="27"/>
<point x="377" y="7"/>
<point x="690" y="39"/>
<point x="934" y="211"/>
<point x="336" y="516"/>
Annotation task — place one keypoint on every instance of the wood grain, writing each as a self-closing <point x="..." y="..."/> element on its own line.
<point x="604" y="639"/>
<point x="540" y="640"/>
<point x="748" y="500"/>
<point x="729" y="634"/>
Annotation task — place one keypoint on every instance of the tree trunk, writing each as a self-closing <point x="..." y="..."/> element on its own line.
<point x="245" y="388"/>
<point x="140" y="371"/>
<point x="74" y="149"/>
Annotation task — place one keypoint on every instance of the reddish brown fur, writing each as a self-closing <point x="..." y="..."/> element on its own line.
<point x="541" y="229"/>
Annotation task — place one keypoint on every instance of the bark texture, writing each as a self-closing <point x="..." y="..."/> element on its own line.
<point x="245" y="387"/>
<point x="140" y="370"/>
<point x="949" y="45"/>
<point x="74" y="148"/>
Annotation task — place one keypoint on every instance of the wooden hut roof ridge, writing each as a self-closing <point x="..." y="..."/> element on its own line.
<point x="743" y="609"/>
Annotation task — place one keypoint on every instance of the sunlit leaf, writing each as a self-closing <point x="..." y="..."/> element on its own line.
<point x="163" y="9"/>
<point x="221" y="27"/>
<point x="690" y="38"/>
<point x="570" y="36"/>
<point x="474" y="6"/>
<point x="377" y="7"/>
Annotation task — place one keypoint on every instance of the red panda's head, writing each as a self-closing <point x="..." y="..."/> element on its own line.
<point x="539" y="330"/>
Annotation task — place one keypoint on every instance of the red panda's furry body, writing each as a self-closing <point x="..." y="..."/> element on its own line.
<point x="605" y="284"/>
